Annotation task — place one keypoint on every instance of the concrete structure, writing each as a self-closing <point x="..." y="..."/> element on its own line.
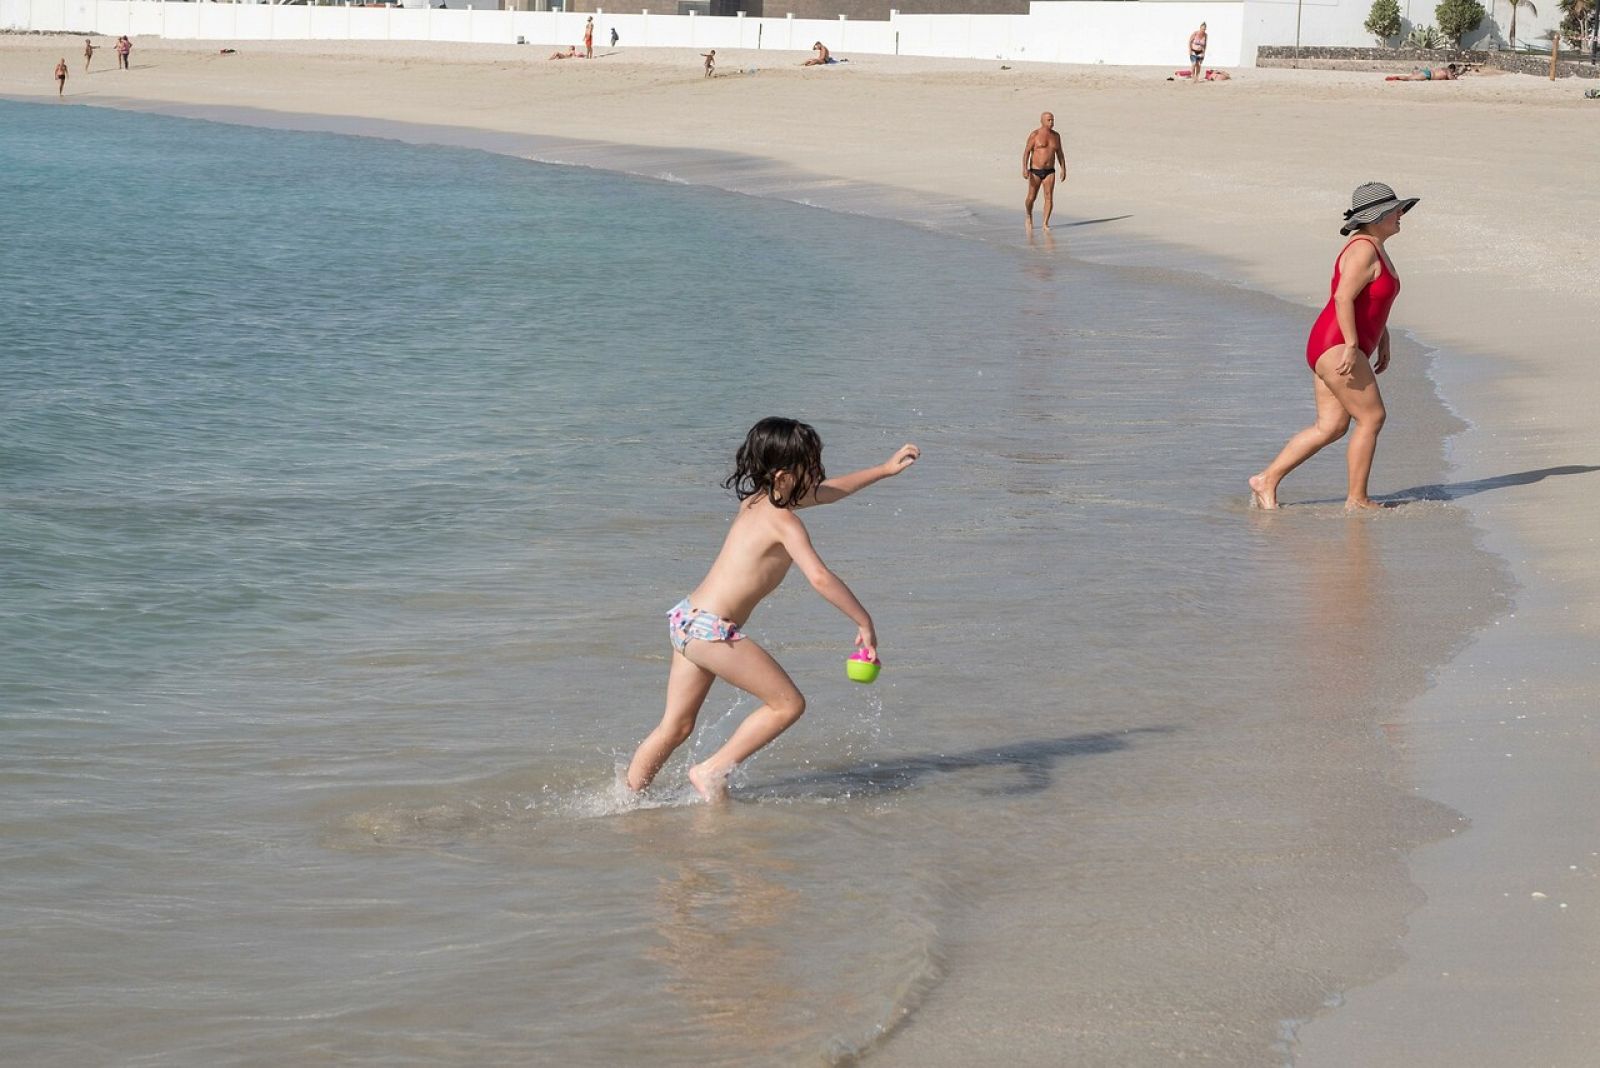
<point x="1137" y="32"/>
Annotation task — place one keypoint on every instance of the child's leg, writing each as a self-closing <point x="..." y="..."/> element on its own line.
<point x="687" y="686"/>
<point x="751" y="668"/>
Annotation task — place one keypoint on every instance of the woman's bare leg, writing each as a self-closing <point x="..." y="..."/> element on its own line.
<point x="1331" y="423"/>
<point x="751" y="668"/>
<point x="687" y="686"/>
<point x="1358" y="393"/>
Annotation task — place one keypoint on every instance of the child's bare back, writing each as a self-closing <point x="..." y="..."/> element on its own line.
<point x="753" y="562"/>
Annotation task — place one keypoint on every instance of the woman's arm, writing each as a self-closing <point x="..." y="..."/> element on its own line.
<point x="842" y="486"/>
<point x="1357" y="269"/>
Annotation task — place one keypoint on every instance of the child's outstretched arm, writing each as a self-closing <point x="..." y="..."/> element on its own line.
<point x="832" y="588"/>
<point x="842" y="486"/>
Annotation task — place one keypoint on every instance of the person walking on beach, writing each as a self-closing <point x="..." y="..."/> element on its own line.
<point x="711" y="62"/>
<point x="61" y="76"/>
<point x="1040" y="154"/>
<point x="124" y="49"/>
<point x="1352" y="329"/>
<point x="588" y="38"/>
<point x="1197" y="52"/>
<point x="88" y="54"/>
<point x="778" y="469"/>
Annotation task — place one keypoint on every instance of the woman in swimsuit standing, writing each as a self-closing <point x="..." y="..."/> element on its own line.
<point x="1351" y="329"/>
<point x="1197" y="52"/>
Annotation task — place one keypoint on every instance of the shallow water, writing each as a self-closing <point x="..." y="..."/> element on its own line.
<point x="341" y="500"/>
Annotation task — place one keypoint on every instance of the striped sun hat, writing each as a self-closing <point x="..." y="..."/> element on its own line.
<point x="1371" y="202"/>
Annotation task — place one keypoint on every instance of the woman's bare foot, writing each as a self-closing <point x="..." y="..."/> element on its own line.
<point x="709" y="785"/>
<point x="1261" y="494"/>
<point x="1352" y="504"/>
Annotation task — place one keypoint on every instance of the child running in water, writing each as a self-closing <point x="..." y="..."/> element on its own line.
<point x="777" y="470"/>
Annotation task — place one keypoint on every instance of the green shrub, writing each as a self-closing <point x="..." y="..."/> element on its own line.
<point x="1457" y="18"/>
<point x="1383" y="22"/>
<point x="1424" y="37"/>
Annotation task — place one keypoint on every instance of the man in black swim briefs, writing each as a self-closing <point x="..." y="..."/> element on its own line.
<point x="1039" y="158"/>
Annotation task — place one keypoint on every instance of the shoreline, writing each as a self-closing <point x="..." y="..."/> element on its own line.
<point x="1554" y="560"/>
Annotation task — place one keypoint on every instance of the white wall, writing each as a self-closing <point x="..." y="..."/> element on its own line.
<point x="1087" y="31"/>
<point x="1057" y="31"/>
<point x="1067" y="31"/>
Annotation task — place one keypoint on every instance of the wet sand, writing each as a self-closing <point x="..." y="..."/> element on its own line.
<point x="1496" y="266"/>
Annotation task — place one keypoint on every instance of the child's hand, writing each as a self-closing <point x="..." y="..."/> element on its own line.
<point x="867" y="638"/>
<point x="904" y="458"/>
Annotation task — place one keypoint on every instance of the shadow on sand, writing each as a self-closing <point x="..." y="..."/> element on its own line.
<point x="1093" y="222"/>
<point x="1034" y="761"/>
<point x="1450" y="491"/>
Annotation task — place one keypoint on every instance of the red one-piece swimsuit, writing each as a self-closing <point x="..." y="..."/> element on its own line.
<point x="1372" y="310"/>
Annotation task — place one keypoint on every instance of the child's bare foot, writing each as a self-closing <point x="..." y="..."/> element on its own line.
<point x="1352" y="504"/>
<point x="709" y="785"/>
<point x="1262" y="494"/>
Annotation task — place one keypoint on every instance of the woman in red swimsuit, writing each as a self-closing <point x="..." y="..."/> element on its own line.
<point x="1350" y="331"/>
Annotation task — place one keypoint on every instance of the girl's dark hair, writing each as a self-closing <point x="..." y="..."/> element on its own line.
<point x="773" y="446"/>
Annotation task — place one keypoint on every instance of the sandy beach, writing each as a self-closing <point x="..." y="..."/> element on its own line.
<point x="1240" y="181"/>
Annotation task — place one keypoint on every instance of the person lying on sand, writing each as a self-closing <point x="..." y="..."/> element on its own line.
<point x="570" y="53"/>
<point x="1448" y="73"/>
<point x="1210" y="75"/>
<point x="819" y="57"/>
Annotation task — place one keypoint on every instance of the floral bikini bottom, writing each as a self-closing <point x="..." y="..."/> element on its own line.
<point x="685" y="622"/>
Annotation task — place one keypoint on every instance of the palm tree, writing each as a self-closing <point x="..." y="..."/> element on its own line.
<point x="1577" y="14"/>
<point x="1531" y="10"/>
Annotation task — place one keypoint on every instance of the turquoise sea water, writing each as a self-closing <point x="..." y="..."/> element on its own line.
<point x="344" y="486"/>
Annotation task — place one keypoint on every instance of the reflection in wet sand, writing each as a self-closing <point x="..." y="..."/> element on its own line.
<point x="717" y="914"/>
<point x="1344" y="588"/>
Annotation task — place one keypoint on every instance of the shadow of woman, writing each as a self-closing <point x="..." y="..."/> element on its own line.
<point x="1453" y="491"/>
<point x="1450" y="491"/>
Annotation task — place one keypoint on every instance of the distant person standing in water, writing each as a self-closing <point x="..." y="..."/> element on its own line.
<point x="1040" y="155"/>
<point x="1352" y="329"/>
<point x="61" y="76"/>
<point x="1197" y="52"/>
<point x="124" y="49"/>
<point x="588" y="38"/>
